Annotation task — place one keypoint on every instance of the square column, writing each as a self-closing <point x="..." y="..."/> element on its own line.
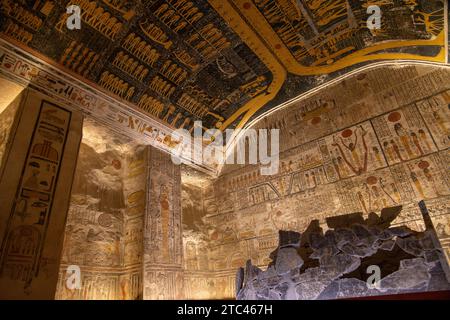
<point x="162" y="274"/>
<point x="35" y="185"/>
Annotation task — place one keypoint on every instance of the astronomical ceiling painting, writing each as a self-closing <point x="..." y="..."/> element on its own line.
<point x="223" y="62"/>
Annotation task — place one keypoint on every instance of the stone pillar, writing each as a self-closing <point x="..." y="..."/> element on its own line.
<point x="135" y="190"/>
<point x="35" y="185"/>
<point x="163" y="275"/>
<point x="8" y="108"/>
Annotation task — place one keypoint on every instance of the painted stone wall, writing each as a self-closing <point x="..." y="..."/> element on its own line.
<point x="135" y="190"/>
<point x="124" y="224"/>
<point x="9" y="103"/>
<point x="6" y="122"/>
<point x="375" y="140"/>
<point x="35" y="184"/>
<point x="104" y="227"/>
<point x="201" y="280"/>
<point x="163" y="251"/>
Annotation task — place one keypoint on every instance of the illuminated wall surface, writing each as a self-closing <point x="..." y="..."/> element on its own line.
<point x="104" y="229"/>
<point x="7" y="110"/>
<point x="228" y="220"/>
<point x="375" y="140"/>
<point x="140" y="227"/>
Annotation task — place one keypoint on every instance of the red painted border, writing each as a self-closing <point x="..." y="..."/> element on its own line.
<point x="434" y="295"/>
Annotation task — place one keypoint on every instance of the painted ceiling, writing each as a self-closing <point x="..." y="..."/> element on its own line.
<point x="224" y="62"/>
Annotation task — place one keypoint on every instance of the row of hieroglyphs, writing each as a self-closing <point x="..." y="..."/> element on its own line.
<point x="116" y="85"/>
<point x="97" y="285"/>
<point x="398" y="137"/>
<point x="162" y="87"/>
<point x="395" y="152"/>
<point x="20" y="17"/>
<point x="208" y="41"/>
<point x="170" y="70"/>
<point x="79" y="58"/>
<point x="178" y="14"/>
<point x="130" y="66"/>
<point x="155" y="33"/>
<point x="83" y="98"/>
<point x="164" y="84"/>
<point x="122" y="7"/>
<point x="22" y="257"/>
<point x="17" y="12"/>
<point x="95" y="16"/>
<point x="158" y="85"/>
<point x="17" y="32"/>
<point x="376" y="92"/>
<point x="148" y="47"/>
<point x="151" y="105"/>
<point x="141" y="49"/>
<point x="173" y="72"/>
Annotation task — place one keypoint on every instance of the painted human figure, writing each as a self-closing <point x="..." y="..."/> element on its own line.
<point x="356" y="164"/>
<point x="336" y="168"/>
<point x="404" y="138"/>
<point x="427" y="172"/>
<point x="417" y="142"/>
<point x="397" y="150"/>
<point x="417" y="183"/>
<point x="423" y="138"/>
<point x="377" y="154"/>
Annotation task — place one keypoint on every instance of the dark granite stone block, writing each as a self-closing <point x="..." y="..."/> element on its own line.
<point x="239" y="279"/>
<point x="343" y="236"/>
<point x="289" y="238"/>
<point x="411" y="246"/>
<point x="387" y="245"/>
<point x="287" y="259"/>
<point x="406" y="278"/>
<point x="407" y="259"/>
<point x="400" y="231"/>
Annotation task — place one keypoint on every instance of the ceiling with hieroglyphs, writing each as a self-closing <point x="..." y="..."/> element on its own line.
<point x="224" y="62"/>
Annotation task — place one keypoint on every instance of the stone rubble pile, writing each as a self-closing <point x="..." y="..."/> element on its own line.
<point x="332" y="265"/>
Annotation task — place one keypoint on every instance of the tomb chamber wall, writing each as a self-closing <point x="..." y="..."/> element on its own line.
<point x="104" y="229"/>
<point x="377" y="139"/>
